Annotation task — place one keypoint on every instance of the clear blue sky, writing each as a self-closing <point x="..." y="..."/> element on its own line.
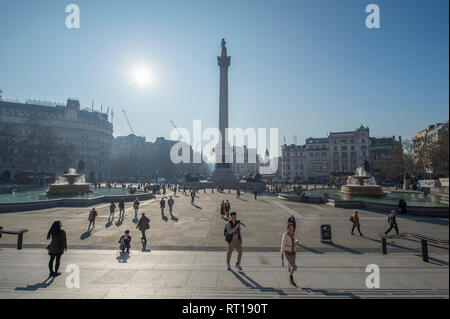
<point x="307" y="67"/>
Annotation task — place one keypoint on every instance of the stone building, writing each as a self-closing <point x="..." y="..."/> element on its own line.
<point x="424" y="140"/>
<point x="45" y="139"/>
<point x="339" y="154"/>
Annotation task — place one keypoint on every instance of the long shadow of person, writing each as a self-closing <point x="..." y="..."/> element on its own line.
<point x="175" y="219"/>
<point x="135" y="220"/>
<point x="43" y="284"/>
<point x="123" y="257"/>
<point x="85" y="235"/>
<point x="119" y="222"/>
<point x="196" y="206"/>
<point x="108" y="224"/>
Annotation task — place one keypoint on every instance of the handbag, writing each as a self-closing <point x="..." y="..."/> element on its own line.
<point x="351" y="219"/>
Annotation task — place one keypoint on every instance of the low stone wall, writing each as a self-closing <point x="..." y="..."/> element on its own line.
<point x="422" y="211"/>
<point x="243" y="187"/>
<point x="70" y="202"/>
<point x="297" y="198"/>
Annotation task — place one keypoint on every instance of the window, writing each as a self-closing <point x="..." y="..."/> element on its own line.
<point x="343" y="148"/>
<point x="335" y="148"/>
<point x="343" y="141"/>
<point x="344" y="154"/>
<point x="352" y="147"/>
<point x="311" y="154"/>
<point x="363" y="147"/>
<point x="352" y="141"/>
<point x="324" y="169"/>
<point x="324" y="154"/>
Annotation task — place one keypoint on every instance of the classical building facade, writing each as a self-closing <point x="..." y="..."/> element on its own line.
<point x="338" y="154"/>
<point x="422" y="142"/>
<point x="49" y="138"/>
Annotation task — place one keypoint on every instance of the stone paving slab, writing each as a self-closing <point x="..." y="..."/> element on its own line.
<point x="190" y="274"/>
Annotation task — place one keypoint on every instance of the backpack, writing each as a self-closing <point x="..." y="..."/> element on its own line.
<point x="228" y="237"/>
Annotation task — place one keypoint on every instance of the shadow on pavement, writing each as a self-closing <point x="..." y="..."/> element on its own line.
<point x="196" y="206"/>
<point x="164" y="218"/>
<point x="331" y="294"/>
<point x="254" y="285"/>
<point x="37" y="286"/>
<point x="123" y="257"/>
<point x="108" y="224"/>
<point x="175" y="219"/>
<point x="85" y="235"/>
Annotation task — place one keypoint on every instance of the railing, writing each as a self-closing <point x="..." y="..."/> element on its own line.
<point x="19" y="234"/>
<point x="423" y="241"/>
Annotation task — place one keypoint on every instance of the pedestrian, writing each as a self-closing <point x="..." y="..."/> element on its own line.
<point x="288" y="243"/>
<point x="255" y="192"/>
<point x="192" y="197"/>
<point x="170" y="202"/>
<point x="162" y="204"/>
<point x="136" y="207"/>
<point x="125" y="242"/>
<point x="143" y="224"/>
<point x="121" y="209"/>
<point x="291" y="220"/>
<point x="392" y="220"/>
<point x="355" y="220"/>
<point x="238" y="194"/>
<point x="175" y="191"/>
<point x="234" y="239"/>
<point x="112" y="208"/>
<point x="57" y="246"/>
<point x="222" y="208"/>
<point x="402" y="206"/>
<point x="92" y="215"/>
<point x="227" y="208"/>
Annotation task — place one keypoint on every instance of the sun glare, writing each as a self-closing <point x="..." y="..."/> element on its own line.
<point x="141" y="76"/>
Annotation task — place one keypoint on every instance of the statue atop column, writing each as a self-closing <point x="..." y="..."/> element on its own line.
<point x="224" y="48"/>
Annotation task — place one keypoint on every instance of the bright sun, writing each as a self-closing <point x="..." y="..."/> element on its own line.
<point x="141" y="76"/>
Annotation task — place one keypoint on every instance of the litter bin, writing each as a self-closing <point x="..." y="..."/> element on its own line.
<point x="325" y="233"/>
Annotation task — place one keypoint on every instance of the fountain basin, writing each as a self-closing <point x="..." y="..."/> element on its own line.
<point x="68" y="189"/>
<point x="362" y="190"/>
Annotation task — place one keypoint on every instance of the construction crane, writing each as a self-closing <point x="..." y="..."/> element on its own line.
<point x="129" y="124"/>
<point x="175" y="127"/>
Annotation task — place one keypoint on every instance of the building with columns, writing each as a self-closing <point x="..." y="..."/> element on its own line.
<point x="339" y="154"/>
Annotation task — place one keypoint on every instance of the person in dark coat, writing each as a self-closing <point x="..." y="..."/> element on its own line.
<point x="57" y="246"/>
<point x="125" y="242"/>
<point x="291" y="220"/>
<point x="143" y="225"/>
<point x="121" y="209"/>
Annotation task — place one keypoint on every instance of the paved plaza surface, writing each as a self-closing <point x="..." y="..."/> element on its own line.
<point x="185" y="255"/>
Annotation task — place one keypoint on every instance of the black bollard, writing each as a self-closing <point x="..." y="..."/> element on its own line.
<point x="424" y="250"/>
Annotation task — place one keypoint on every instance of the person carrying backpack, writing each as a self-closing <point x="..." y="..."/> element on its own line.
<point x="143" y="224"/>
<point x="233" y="237"/>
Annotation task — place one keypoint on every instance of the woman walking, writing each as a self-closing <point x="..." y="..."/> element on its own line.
<point x="288" y="244"/>
<point x="57" y="246"/>
<point x="355" y="220"/>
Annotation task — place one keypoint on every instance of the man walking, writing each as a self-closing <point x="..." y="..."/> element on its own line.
<point x="227" y="208"/>
<point x="136" y="207"/>
<point x="192" y="197"/>
<point x="162" y="204"/>
<point x="234" y="239"/>
<point x="112" y="208"/>
<point x="143" y="225"/>
<point x="121" y="209"/>
<point x="392" y="220"/>
<point x="238" y="194"/>
<point x="92" y="214"/>
<point x="170" y="202"/>
<point x="255" y="192"/>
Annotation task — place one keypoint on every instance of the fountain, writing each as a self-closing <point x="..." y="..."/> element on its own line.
<point x="362" y="184"/>
<point x="69" y="184"/>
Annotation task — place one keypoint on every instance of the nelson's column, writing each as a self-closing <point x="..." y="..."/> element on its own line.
<point x="223" y="172"/>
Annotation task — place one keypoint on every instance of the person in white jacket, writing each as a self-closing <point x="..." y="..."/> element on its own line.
<point x="288" y="244"/>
